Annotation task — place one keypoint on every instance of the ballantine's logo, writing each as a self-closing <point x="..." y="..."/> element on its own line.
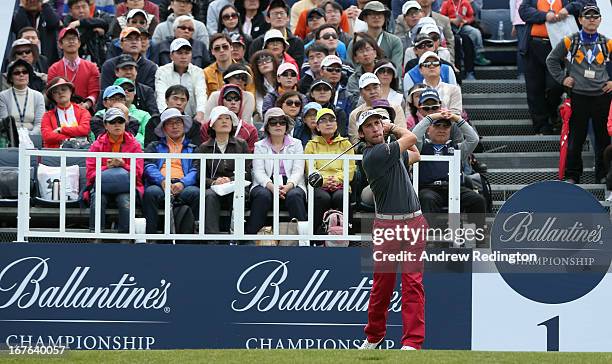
<point x="28" y="291"/>
<point x="268" y="295"/>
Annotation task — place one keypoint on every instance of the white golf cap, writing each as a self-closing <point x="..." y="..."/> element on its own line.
<point x="274" y="34"/>
<point x="179" y="43"/>
<point x="132" y="13"/>
<point x="386" y="65"/>
<point x="367" y="79"/>
<point x="331" y="59"/>
<point x="217" y="111"/>
<point x="426" y="55"/>
<point x="426" y="20"/>
<point x="429" y="28"/>
<point x="286" y="67"/>
<point x="410" y="5"/>
<point x="172" y="113"/>
<point x="364" y="116"/>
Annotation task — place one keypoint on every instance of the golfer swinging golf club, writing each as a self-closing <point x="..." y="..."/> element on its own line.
<point x="396" y="205"/>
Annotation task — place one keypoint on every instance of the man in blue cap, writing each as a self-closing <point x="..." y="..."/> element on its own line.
<point x="113" y="96"/>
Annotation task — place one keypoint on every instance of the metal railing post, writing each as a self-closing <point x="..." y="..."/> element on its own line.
<point x="239" y="194"/>
<point x="23" y="197"/>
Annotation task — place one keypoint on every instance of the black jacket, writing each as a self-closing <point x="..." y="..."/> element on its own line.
<point x="146" y="72"/>
<point x="296" y="47"/>
<point x="260" y="26"/>
<point x="199" y="53"/>
<point x="93" y="45"/>
<point x="199" y="10"/>
<point x="225" y="167"/>
<point x="145" y="99"/>
<point x="48" y="28"/>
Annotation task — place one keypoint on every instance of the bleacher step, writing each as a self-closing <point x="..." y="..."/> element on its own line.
<point x="513" y="98"/>
<point x="527" y="159"/>
<point x="503" y="127"/>
<point x="532" y="175"/>
<point x="497" y="112"/>
<point x="496" y="72"/>
<point x="494" y="86"/>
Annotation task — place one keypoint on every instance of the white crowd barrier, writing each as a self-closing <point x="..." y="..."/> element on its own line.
<point x="23" y="219"/>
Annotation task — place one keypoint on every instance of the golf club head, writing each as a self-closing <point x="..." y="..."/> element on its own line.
<point x="315" y="180"/>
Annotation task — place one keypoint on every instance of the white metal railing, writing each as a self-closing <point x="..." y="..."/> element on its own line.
<point x="23" y="218"/>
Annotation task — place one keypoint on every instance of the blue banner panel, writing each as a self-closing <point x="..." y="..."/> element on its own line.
<point x="115" y="296"/>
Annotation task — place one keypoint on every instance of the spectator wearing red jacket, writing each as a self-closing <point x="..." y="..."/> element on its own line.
<point x="66" y="120"/>
<point x="607" y="154"/>
<point x="114" y="171"/>
<point x="461" y="15"/>
<point x="83" y="74"/>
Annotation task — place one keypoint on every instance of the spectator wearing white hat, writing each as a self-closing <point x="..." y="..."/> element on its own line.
<point x="370" y="91"/>
<point x="219" y="171"/>
<point x="286" y="80"/>
<point x="122" y="21"/>
<point x="25" y="50"/>
<point x="275" y="42"/>
<point x="389" y="85"/>
<point x="406" y="21"/>
<point x="183" y="27"/>
<point x="336" y="73"/>
<point x="182" y="72"/>
<point x="433" y="36"/>
<point x="291" y="188"/>
<point x="166" y="29"/>
<point x="239" y="75"/>
<point x="182" y="174"/>
<point x="429" y="60"/>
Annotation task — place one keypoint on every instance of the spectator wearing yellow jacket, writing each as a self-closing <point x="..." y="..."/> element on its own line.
<point x="328" y="141"/>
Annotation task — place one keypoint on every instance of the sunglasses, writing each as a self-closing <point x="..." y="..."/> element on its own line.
<point x="333" y="69"/>
<point x="329" y="119"/>
<point x="21" y="53"/>
<point x="243" y="78"/>
<point x="22" y="72"/>
<point x="277" y="122"/>
<point x="292" y="103"/>
<point x="289" y="74"/>
<point x="431" y="64"/>
<point x="386" y="70"/>
<point x="430" y="107"/>
<point x="425" y="45"/>
<point x="230" y="16"/>
<point x="184" y="27"/>
<point x="264" y="60"/>
<point x="329" y="36"/>
<point x="231" y="98"/>
<point x="219" y="48"/>
<point x="592" y="16"/>
<point x="128" y="89"/>
<point x="321" y="89"/>
<point x="116" y="121"/>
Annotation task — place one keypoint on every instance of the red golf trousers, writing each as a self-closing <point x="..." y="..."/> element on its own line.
<point x="413" y="294"/>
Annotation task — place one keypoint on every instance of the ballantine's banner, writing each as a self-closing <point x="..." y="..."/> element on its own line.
<point x="111" y="296"/>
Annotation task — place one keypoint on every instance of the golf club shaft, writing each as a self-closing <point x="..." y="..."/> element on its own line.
<point x="339" y="155"/>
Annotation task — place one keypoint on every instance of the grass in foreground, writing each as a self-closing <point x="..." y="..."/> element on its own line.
<point x="312" y="356"/>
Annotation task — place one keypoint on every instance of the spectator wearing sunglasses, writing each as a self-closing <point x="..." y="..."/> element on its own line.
<point x="183" y="28"/>
<point x="286" y="80"/>
<point x="405" y="22"/>
<point x="239" y="75"/>
<point x="414" y="114"/>
<point x="137" y="18"/>
<point x="179" y="8"/>
<point x="325" y="14"/>
<point x="40" y="15"/>
<point x="232" y="97"/>
<point x="276" y="43"/>
<point x="239" y="48"/>
<point x="336" y="73"/>
<point x="305" y="126"/>
<point x="23" y="49"/>
<point x="41" y="63"/>
<point x="434" y="137"/>
<point x="389" y="84"/>
<point x="230" y="23"/>
<point x="220" y="48"/>
<point x="114" y="96"/>
<point x="264" y="66"/>
<point x="322" y="92"/>
<point x="114" y="171"/>
<point x="432" y="72"/>
<point x="291" y="103"/>
<point x="327" y="36"/>
<point x="291" y="187"/>
<point x="425" y="43"/>
<point x="182" y="72"/>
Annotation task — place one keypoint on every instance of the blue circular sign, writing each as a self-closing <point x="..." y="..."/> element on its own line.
<point x="563" y="237"/>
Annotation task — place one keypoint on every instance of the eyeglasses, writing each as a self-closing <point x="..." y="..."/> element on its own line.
<point x="18" y="73"/>
<point x="242" y="78"/>
<point x="128" y="89"/>
<point x="326" y="119"/>
<point x="364" y="50"/>
<point x="329" y="36"/>
<point x="277" y="14"/>
<point x="292" y="103"/>
<point x="430" y="107"/>
<point x="264" y="60"/>
<point x="219" y="48"/>
<point x="25" y="51"/>
<point x="230" y="16"/>
<point x="289" y="74"/>
<point x="333" y="69"/>
<point x="116" y="121"/>
<point x="425" y="45"/>
<point x="434" y="36"/>
<point x="184" y="27"/>
<point x="177" y="122"/>
<point x="592" y="16"/>
<point x="321" y="89"/>
<point x="232" y="98"/>
<point x="431" y="64"/>
<point x="70" y="39"/>
<point x="277" y="122"/>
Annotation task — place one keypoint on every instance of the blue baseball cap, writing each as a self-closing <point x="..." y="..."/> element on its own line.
<point x="111" y="91"/>
<point x="311" y="106"/>
<point x="429" y="94"/>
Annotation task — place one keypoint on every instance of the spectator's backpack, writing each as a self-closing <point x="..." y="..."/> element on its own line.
<point x="332" y="224"/>
<point x="183" y="219"/>
<point x="574" y="46"/>
<point x="479" y="183"/>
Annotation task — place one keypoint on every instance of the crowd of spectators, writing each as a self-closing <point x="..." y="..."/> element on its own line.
<point x="251" y="76"/>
